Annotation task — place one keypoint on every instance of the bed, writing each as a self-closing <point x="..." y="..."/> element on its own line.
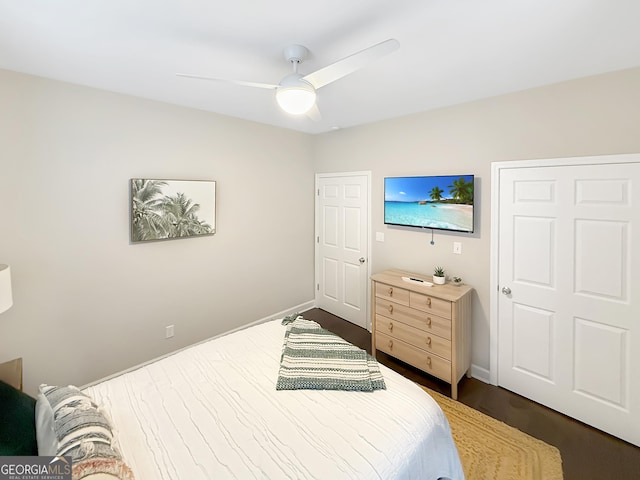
<point x="211" y="411"/>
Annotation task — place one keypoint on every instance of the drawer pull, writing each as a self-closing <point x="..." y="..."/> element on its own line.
<point x="391" y="344"/>
<point x="429" y="361"/>
<point x="428" y="321"/>
<point x="390" y="308"/>
<point x="429" y="301"/>
<point x="391" y="326"/>
<point x="429" y="341"/>
<point x="390" y="291"/>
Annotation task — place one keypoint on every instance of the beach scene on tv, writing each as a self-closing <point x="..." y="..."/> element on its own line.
<point x="440" y="202"/>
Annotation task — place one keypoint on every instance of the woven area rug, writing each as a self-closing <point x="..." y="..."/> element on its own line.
<point x="492" y="450"/>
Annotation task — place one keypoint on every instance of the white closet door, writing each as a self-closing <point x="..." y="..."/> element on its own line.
<point x="569" y="277"/>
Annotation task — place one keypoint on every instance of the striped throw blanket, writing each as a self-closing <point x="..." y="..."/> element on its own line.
<point x="316" y="359"/>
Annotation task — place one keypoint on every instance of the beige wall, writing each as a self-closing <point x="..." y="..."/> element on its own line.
<point x="86" y="302"/>
<point x="590" y="116"/>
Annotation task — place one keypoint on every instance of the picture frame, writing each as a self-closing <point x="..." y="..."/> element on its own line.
<point x="170" y="209"/>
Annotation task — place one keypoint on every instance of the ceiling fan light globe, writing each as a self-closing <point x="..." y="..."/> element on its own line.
<point x="295" y="101"/>
<point x="295" y="96"/>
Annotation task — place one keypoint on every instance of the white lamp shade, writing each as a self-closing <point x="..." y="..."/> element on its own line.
<point x="6" y="298"/>
<point x="295" y="96"/>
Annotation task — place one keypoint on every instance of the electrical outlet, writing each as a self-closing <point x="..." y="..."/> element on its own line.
<point x="457" y="248"/>
<point x="168" y="331"/>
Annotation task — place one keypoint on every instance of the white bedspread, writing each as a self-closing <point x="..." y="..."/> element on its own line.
<point x="212" y="412"/>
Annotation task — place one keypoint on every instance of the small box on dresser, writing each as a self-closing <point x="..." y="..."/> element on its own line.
<point x="428" y="327"/>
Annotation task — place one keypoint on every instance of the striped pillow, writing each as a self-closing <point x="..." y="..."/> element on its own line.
<point x="73" y="425"/>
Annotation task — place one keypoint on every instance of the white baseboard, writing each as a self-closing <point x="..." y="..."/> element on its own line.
<point x="303" y="307"/>
<point x="480" y="373"/>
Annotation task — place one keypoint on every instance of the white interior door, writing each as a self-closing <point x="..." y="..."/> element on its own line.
<point x="569" y="279"/>
<point x="342" y="245"/>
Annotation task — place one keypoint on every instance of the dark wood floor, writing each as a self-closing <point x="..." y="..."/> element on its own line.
<point x="587" y="453"/>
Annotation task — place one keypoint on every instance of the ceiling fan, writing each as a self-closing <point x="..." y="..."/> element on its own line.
<point x="296" y="93"/>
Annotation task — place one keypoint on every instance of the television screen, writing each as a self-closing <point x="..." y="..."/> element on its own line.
<point x="439" y="202"/>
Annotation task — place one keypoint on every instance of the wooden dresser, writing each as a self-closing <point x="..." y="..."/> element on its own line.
<point x="427" y="327"/>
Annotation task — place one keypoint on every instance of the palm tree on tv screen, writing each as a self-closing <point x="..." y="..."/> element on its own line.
<point x="462" y="191"/>
<point x="436" y="194"/>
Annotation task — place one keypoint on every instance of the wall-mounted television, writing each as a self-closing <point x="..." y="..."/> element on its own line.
<point x="443" y="202"/>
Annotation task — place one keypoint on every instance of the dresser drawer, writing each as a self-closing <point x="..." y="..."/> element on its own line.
<point x="417" y="357"/>
<point x="426" y="303"/>
<point x="414" y="318"/>
<point x="414" y="336"/>
<point x="395" y="294"/>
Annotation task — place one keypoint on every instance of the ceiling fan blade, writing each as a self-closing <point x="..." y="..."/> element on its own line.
<point x="350" y="64"/>
<point x="236" y="82"/>
<point x="314" y="113"/>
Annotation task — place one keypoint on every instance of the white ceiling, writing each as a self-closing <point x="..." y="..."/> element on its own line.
<point x="451" y="51"/>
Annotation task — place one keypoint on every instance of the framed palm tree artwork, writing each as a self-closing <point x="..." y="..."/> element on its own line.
<point x="169" y="209"/>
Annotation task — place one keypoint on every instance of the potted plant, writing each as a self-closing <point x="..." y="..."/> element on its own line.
<point x="438" y="276"/>
<point x="457" y="281"/>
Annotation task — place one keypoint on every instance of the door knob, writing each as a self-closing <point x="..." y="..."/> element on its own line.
<point x="506" y="290"/>
<point x="361" y="260"/>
